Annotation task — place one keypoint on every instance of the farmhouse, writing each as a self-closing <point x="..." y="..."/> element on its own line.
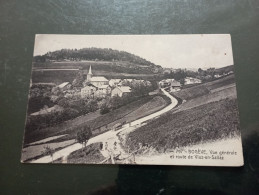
<point x="175" y="86"/>
<point x="190" y="80"/>
<point x="96" y="80"/>
<point x="120" y="91"/>
<point x="88" y="91"/>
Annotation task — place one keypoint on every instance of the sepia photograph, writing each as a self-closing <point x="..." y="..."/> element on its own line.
<point x="133" y="99"/>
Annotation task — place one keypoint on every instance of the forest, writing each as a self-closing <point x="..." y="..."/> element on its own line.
<point x="101" y="54"/>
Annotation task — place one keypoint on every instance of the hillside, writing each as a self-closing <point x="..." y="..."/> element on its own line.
<point x="120" y="61"/>
<point x="205" y="88"/>
<point x="100" y="123"/>
<point x="225" y="69"/>
<point x="210" y="113"/>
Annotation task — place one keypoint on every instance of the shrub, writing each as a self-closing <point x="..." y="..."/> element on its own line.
<point x="83" y="135"/>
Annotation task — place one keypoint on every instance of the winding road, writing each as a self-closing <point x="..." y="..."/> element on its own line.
<point x="109" y="136"/>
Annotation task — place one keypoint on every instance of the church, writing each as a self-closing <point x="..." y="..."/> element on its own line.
<point x="95" y="86"/>
<point x="96" y="80"/>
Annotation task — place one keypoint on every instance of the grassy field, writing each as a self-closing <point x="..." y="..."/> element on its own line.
<point x="36" y="151"/>
<point x="99" y="68"/>
<point x="210" y="113"/>
<point x="100" y="123"/>
<point x="60" y="76"/>
<point x="207" y="122"/>
<point x="217" y="95"/>
<point x="54" y="130"/>
<point x="114" y="66"/>
<point x="56" y="77"/>
<point x="89" y="155"/>
<point x="127" y="113"/>
<point x="205" y="88"/>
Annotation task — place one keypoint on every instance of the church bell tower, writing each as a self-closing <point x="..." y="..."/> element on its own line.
<point x="89" y="74"/>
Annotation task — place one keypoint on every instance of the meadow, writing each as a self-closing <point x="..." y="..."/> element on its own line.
<point x="208" y="122"/>
<point x="36" y="151"/>
<point x="210" y="113"/>
<point x="40" y="72"/>
<point x="100" y="123"/>
<point x="203" y="89"/>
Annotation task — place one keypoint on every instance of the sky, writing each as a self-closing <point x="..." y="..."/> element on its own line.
<point x="169" y="51"/>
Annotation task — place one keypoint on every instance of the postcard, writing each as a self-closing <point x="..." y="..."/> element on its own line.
<point x="133" y="99"/>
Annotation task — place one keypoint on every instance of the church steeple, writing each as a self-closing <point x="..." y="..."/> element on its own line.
<point x="90" y="70"/>
<point x="89" y="74"/>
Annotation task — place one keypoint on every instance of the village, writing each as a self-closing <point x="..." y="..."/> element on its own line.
<point x="91" y="88"/>
<point x="99" y="87"/>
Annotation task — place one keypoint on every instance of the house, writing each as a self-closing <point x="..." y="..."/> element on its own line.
<point x="175" y="86"/>
<point x="165" y="82"/>
<point x="167" y="71"/>
<point x="114" y="82"/>
<point x="47" y="110"/>
<point x="190" y="80"/>
<point x="120" y="91"/>
<point x="64" y="86"/>
<point x="103" y="91"/>
<point x="217" y="76"/>
<point x="88" y="91"/>
<point x="99" y="81"/>
<point x="96" y="80"/>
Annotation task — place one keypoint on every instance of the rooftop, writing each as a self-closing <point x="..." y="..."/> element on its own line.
<point x="63" y="84"/>
<point x="100" y="78"/>
<point x="103" y="86"/>
<point x="125" y="89"/>
<point x="175" y="83"/>
<point x="115" y="80"/>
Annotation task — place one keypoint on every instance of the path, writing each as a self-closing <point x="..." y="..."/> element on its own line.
<point x="46" y="140"/>
<point x="109" y="136"/>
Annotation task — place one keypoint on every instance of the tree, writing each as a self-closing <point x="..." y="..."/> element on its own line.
<point x="83" y="135"/>
<point x="78" y="81"/>
<point x="63" y="102"/>
<point x="104" y="108"/>
<point x="182" y="81"/>
<point x="48" y="151"/>
<point x="179" y="75"/>
<point x="70" y="113"/>
<point x="211" y="72"/>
